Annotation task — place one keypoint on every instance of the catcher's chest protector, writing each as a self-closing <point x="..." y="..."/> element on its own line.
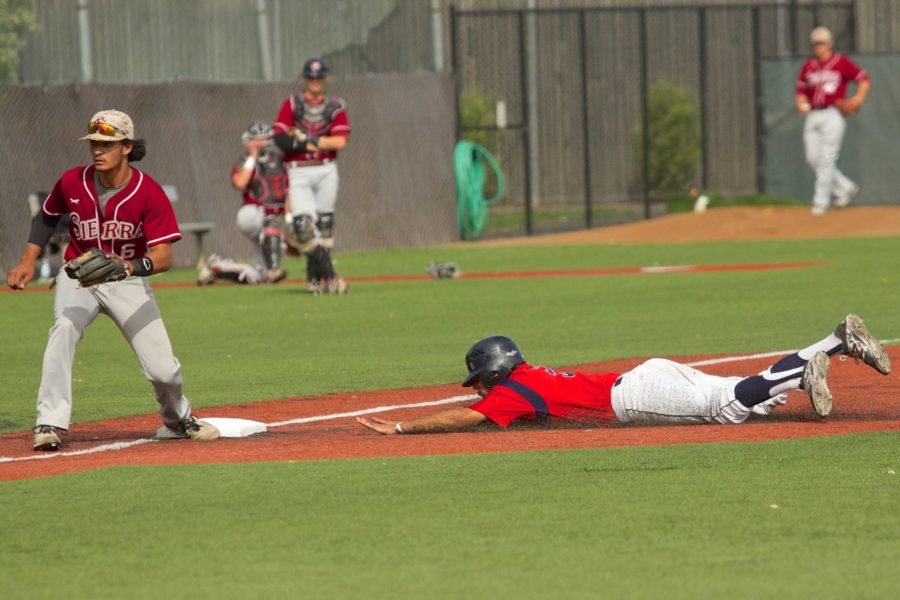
<point x="314" y="119"/>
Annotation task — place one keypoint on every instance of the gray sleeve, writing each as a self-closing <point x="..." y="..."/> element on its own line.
<point x="42" y="227"/>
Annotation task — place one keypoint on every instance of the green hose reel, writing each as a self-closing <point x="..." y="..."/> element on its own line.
<point x="469" y="161"/>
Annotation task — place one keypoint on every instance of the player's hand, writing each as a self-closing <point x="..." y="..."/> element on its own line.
<point x="849" y="106"/>
<point x="803" y="108"/>
<point x="19" y="276"/>
<point x="379" y="425"/>
<point x="254" y="146"/>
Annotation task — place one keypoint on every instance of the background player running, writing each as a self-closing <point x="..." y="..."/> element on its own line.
<point x="820" y="90"/>
<point x="121" y="210"/>
<point x="656" y="391"/>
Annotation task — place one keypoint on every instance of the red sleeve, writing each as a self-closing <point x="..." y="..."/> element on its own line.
<point x="160" y="224"/>
<point x="503" y="406"/>
<point x="285" y="119"/>
<point x="54" y="205"/>
<point x="340" y="122"/>
<point x="801" y="86"/>
<point x="852" y="72"/>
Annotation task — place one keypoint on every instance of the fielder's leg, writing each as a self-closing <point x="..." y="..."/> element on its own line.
<point x="250" y="222"/>
<point x="271" y="241"/>
<point x="75" y="308"/>
<point x="130" y="303"/>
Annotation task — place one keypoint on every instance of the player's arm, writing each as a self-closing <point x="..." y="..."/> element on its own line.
<point x="861" y="91"/>
<point x="157" y="260"/>
<point x="802" y="103"/>
<point x="454" y="419"/>
<point x="331" y="142"/>
<point x="244" y="173"/>
<point x="42" y="228"/>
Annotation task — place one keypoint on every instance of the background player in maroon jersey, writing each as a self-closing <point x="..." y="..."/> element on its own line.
<point x="311" y="128"/>
<point x="820" y="89"/>
<point x="656" y="391"/>
<point x="262" y="181"/>
<point x="123" y="211"/>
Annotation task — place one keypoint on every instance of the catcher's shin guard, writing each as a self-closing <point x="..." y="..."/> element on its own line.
<point x="318" y="265"/>
<point x="325" y="224"/>
<point x="270" y="243"/>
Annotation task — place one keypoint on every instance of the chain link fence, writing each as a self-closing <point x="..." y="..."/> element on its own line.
<point x="395" y="190"/>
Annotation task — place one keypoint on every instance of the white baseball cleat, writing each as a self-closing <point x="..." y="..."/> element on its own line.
<point x="192" y="428"/>
<point x="815" y="384"/>
<point x="860" y="344"/>
<point x="766" y="408"/>
<point x="818" y="211"/>
<point x="844" y="199"/>
<point x="46" y="438"/>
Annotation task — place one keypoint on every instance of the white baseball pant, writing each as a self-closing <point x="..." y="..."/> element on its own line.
<point x="313" y="189"/>
<point x="131" y="305"/>
<point x="661" y="391"/>
<point x="823" y="134"/>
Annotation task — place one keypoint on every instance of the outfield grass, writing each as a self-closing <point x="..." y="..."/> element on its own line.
<point x="797" y="519"/>
<point x="674" y="522"/>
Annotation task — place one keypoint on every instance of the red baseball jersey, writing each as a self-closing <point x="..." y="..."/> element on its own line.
<point x="137" y="217"/>
<point x="540" y="392"/>
<point x="268" y="188"/>
<point x="823" y="82"/>
<point x="323" y="117"/>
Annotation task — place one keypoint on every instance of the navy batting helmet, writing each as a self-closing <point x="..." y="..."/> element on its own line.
<point x="491" y="360"/>
<point x="315" y="68"/>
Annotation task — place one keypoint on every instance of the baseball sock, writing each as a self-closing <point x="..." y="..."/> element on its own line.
<point x="784" y="375"/>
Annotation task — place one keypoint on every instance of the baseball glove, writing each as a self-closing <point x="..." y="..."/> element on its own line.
<point x="96" y="266"/>
<point x="443" y="270"/>
<point x="847" y="108"/>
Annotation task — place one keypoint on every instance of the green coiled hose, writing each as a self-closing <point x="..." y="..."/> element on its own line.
<point x="469" y="159"/>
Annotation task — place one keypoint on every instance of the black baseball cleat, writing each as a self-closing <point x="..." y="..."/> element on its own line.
<point x="860" y="344"/>
<point x="46" y="438"/>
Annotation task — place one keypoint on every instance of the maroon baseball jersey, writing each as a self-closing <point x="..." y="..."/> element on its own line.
<point x="823" y="82"/>
<point x="137" y="217"/>
<point x="539" y="392"/>
<point x="268" y="188"/>
<point x="323" y="117"/>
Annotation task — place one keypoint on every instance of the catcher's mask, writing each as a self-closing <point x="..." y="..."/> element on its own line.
<point x="491" y="360"/>
<point x="257" y="131"/>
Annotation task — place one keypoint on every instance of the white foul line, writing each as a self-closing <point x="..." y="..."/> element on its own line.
<point x="368" y="411"/>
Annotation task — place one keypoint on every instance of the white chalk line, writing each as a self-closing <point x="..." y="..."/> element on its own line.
<point x="368" y="411"/>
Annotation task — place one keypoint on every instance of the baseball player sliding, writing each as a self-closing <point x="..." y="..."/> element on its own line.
<point x="122" y="228"/>
<point x="657" y="391"/>
<point x="820" y="91"/>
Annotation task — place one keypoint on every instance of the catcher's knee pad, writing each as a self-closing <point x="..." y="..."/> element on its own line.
<point x="250" y="219"/>
<point x="305" y="234"/>
<point x="325" y="223"/>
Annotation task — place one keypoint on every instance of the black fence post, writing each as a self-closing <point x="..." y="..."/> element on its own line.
<point x="453" y="65"/>
<point x="525" y="133"/>
<point x="704" y="141"/>
<point x="645" y="119"/>
<point x="758" y="105"/>
<point x="585" y="114"/>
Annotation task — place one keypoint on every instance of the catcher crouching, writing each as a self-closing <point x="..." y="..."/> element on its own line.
<point x="122" y="228"/>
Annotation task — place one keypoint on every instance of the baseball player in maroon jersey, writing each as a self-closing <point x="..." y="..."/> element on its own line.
<point x="820" y="90"/>
<point x="124" y="212"/>
<point x="262" y="181"/>
<point x="311" y="128"/>
<point x="657" y="391"/>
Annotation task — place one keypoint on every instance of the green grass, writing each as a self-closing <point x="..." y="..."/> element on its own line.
<point x="679" y="522"/>
<point x="675" y="522"/>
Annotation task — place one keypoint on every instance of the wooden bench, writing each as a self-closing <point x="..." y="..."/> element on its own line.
<point x="198" y="228"/>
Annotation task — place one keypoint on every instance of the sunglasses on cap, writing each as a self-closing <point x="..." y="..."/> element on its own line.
<point x="105" y="129"/>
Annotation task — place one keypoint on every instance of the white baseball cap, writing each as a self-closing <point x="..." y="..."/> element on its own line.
<point x="110" y="126"/>
<point x="820" y="35"/>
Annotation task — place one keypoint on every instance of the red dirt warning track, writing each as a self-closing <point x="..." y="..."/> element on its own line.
<point x="864" y="401"/>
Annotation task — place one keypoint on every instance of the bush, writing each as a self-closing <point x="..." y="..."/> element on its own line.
<point x="675" y="144"/>
<point x="479" y="109"/>
<point x="16" y="18"/>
